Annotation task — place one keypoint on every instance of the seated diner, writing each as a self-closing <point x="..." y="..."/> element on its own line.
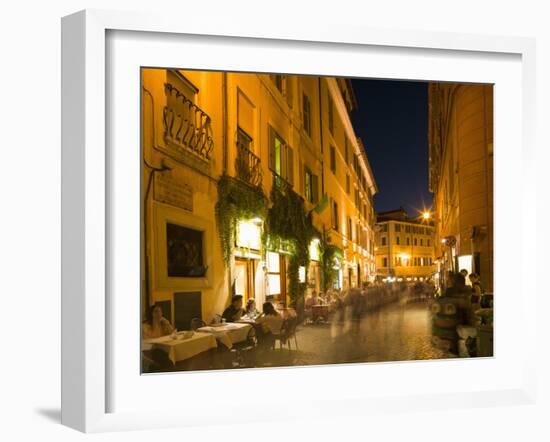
<point x="269" y="325"/>
<point x="235" y="310"/>
<point x="155" y="325"/>
<point x="251" y="310"/>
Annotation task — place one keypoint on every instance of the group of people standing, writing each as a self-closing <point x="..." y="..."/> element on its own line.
<point x="469" y="297"/>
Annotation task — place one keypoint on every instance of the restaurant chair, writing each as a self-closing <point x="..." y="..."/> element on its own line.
<point x="197" y="323"/>
<point x="288" y="331"/>
<point x="245" y="351"/>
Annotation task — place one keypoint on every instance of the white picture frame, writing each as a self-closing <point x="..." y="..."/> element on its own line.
<point x="87" y="205"/>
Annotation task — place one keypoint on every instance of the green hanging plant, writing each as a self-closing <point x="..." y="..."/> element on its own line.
<point x="327" y="255"/>
<point x="236" y="201"/>
<point x="290" y="229"/>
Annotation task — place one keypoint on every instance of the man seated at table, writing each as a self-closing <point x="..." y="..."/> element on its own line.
<point x="235" y="310"/>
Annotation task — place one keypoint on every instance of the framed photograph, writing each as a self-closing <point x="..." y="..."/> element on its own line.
<point x="324" y="215"/>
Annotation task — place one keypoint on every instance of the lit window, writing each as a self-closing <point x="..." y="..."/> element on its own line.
<point x="273" y="273"/>
<point x="248" y="235"/>
<point x="281" y="158"/>
<point x="314" y="250"/>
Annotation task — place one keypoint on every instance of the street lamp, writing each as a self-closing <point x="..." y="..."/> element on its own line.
<point x="426" y="215"/>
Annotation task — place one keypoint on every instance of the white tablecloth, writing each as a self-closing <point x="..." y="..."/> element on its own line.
<point x="228" y="334"/>
<point x="181" y="349"/>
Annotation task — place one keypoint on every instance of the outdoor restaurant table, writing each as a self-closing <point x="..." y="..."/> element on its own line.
<point x="180" y="349"/>
<point x="318" y="311"/>
<point x="229" y="333"/>
<point x="246" y="320"/>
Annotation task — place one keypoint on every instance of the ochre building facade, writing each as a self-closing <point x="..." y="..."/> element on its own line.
<point x="461" y="177"/>
<point x="404" y="248"/>
<point x="252" y="132"/>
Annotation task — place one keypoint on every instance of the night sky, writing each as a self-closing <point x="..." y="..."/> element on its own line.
<point x="392" y="121"/>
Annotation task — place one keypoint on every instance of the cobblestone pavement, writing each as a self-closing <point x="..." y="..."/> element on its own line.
<point x="396" y="332"/>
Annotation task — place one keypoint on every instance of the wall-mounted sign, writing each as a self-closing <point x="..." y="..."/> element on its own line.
<point x="169" y="190"/>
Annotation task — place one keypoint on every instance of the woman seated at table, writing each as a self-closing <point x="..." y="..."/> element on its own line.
<point x="268" y="325"/>
<point x="251" y="310"/>
<point x="155" y="325"/>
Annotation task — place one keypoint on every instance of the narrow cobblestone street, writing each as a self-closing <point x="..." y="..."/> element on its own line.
<point x="396" y="332"/>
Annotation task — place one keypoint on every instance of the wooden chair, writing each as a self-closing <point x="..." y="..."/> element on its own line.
<point x="288" y="331"/>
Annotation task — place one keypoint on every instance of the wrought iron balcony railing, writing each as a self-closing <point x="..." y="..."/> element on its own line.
<point x="186" y="126"/>
<point x="248" y="166"/>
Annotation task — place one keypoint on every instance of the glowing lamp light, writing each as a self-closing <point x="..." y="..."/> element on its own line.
<point x="443" y="241"/>
<point x="426" y="215"/>
<point x="302" y="274"/>
<point x="248" y="235"/>
<point x="314" y="249"/>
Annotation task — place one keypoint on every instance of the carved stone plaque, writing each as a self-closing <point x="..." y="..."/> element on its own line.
<point x="171" y="191"/>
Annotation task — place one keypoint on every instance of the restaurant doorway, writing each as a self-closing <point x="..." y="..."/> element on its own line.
<point x="245" y="276"/>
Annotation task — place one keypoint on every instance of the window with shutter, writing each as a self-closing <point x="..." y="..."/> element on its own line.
<point x="330" y="115"/>
<point x="307" y="184"/>
<point x="301" y="178"/>
<point x="289" y="165"/>
<point x="315" y="189"/>
<point x="306" y="114"/>
<point x="333" y="159"/>
<point x="271" y="149"/>
<point x="280" y="160"/>
<point x="346" y="158"/>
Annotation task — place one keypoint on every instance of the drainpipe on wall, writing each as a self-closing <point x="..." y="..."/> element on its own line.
<point x="225" y="147"/>
<point x="225" y="124"/>
<point x="147" y="264"/>
<point x="321" y="137"/>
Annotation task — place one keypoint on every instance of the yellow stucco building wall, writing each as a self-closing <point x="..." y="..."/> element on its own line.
<point x="405" y="250"/>
<point x="192" y="125"/>
<point x="461" y="176"/>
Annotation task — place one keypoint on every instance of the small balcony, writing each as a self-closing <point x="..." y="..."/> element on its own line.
<point x="187" y="128"/>
<point x="248" y="167"/>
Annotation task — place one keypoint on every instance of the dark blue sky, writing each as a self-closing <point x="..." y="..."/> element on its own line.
<point x="392" y="121"/>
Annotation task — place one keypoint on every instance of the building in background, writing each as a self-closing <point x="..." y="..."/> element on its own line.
<point x="217" y="147"/>
<point x="404" y="247"/>
<point x="461" y="177"/>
